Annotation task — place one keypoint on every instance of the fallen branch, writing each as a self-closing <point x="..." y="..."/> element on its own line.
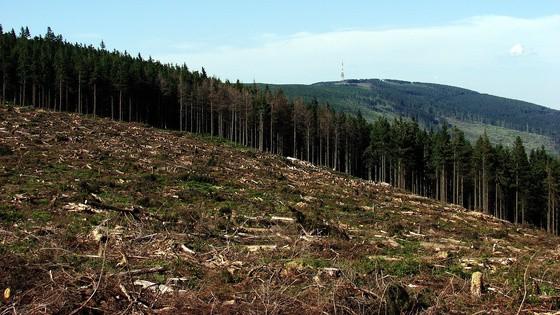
<point x="161" y="288"/>
<point x="136" y="272"/>
<point x="525" y="284"/>
<point x="96" y="204"/>
<point x="96" y="285"/>
<point x="125" y="292"/>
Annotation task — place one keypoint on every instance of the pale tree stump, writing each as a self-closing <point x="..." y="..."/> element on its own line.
<point x="476" y="284"/>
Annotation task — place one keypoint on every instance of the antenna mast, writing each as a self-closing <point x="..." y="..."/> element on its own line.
<point x="342" y="71"/>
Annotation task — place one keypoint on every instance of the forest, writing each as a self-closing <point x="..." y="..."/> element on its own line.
<point x="50" y="73"/>
<point x="431" y="105"/>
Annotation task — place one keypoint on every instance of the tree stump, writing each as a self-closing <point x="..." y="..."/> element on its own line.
<point x="476" y="284"/>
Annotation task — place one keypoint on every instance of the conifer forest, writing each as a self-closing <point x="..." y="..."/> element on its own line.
<point x="505" y="181"/>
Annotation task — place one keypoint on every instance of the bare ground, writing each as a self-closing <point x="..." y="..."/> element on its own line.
<point x="104" y="217"/>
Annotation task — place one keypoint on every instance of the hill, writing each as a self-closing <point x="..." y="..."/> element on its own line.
<point x="431" y="104"/>
<point x="102" y="216"/>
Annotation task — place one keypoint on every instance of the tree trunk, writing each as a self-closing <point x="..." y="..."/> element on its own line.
<point x="211" y="119"/>
<point x="294" y="152"/>
<point x="462" y="191"/>
<point x="120" y="106"/>
<point x="484" y="187"/>
<point x="328" y="154"/>
<point x="246" y="122"/>
<point x="191" y="116"/>
<point x="23" y="95"/>
<point x="66" y="97"/>
<point x="79" y="93"/>
<point x="232" y="121"/>
<point x="4" y="88"/>
<point x="516" y="215"/>
<point x="438" y="180"/>
<point x="347" y="159"/>
<point x="496" y="213"/>
<point x="335" y="158"/>
<point x="60" y="96"/>
<point x="271" y="129"/>
<point x="261" y="130"/>
<point x="320" y="150"/>
<point x="94" y="99"/>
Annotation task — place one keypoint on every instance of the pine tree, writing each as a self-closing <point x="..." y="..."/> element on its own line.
<point x="441" y="156"/>
<point x="520" y="168"/>
<point x="49" y="72"/>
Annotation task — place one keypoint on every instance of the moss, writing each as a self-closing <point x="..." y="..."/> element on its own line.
<point x="10" y="215"/>
<point x="84" y="263"/>
<point x="198" y="178"/>
<point x="407" y="266"/>
<point x="41" y="216"/>
<point x="152" y="178"/>
<point x="90" y="187"/>
<point x="24" y="246"/>
<point x="229" y="277"/>
<point x="117" y="198"/>
<point x="407" y="248"/>
<point x="212" y="161"/>
<point x="548" y="289"/>
<point x="454" y="269"/>
<point x="310" y="262"/>
<point x="157" y="278"/>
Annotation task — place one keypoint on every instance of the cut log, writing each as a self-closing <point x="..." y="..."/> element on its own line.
<point x="255" y="248"/>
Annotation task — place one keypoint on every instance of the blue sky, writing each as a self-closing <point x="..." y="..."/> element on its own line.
<point x="507" y="48"/>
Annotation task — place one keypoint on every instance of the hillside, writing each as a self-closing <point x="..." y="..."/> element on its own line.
<point x="99" y="216"/>
<point x="430" y="104"/>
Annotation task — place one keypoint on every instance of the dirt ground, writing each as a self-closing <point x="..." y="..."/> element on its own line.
<point x="101" y="217"/>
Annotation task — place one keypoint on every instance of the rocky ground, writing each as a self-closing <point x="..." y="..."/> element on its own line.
<point x="104" y="217"/>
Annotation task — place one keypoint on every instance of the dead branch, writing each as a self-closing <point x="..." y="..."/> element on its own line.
<point x="136" y="272"/>
<point x="96" y="285"/>
<point x="525" y="284"/>
<point x="96" y="204"/>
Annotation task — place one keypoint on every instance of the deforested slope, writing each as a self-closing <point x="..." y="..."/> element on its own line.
<point x="102" y="216"/>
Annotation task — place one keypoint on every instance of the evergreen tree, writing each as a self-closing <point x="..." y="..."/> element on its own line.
<point x="51" y="73"/>
<point x="520" y="173"/>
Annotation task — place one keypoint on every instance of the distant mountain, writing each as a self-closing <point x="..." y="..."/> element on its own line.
<point x="432" y="104"/>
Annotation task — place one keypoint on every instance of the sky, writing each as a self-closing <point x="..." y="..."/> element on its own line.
<point x="508" y="48"/>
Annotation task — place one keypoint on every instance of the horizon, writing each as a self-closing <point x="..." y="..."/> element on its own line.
<point x="502" y="49"/>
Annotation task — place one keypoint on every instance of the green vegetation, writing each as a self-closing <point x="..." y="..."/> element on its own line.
<point x="503" y="136"/>
<point x="430" y="104"/>
<point x="439" y="162"/>
<point x="9" y="214"/>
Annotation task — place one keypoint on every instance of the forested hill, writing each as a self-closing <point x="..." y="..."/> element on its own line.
<point x="431" y="104"/>
<point x="175" y="211"/>
<point x="509" y="182"/>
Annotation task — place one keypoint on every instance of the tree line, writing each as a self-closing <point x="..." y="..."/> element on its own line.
<point x="50" y="73"/>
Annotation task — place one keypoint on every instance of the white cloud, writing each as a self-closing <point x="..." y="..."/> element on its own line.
<point x="468" y="53"/>
<point x="517" y="50"/>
